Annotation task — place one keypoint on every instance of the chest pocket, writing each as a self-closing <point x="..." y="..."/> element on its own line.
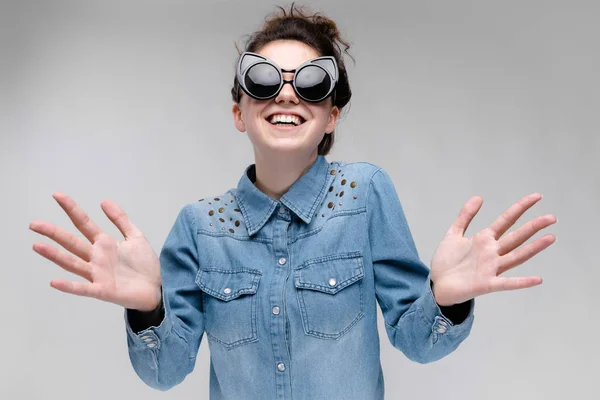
<point x="330" y="294"/>
<point x="229" y="299"/>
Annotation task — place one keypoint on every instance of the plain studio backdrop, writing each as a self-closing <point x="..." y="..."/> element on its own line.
<point x="129" y="100"/>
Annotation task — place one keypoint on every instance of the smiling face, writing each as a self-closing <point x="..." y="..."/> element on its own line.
<point x="271" y="124"/>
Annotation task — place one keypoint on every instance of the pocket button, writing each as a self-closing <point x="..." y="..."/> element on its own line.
<point x="332" y="282"/>
<point x="227" y="291"/>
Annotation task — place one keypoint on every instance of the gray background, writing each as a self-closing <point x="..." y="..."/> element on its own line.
<point x="130" y="101"/>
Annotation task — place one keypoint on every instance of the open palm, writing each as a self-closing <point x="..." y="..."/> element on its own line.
<point x="121" y="272"/>
<point x="463" y="268"/>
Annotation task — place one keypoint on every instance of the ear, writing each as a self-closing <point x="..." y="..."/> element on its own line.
<point x="334" y="114"/>
<point x="236" y="111"/>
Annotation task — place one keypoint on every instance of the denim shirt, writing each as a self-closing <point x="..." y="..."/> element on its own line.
<point x="286" y="291"/>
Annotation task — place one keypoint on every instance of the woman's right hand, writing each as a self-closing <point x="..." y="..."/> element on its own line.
<point x="126" y="273"/>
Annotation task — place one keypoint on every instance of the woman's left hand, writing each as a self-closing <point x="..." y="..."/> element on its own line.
<point x="463" y="268"/>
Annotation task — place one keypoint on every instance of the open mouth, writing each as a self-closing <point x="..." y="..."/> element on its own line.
<point x="285" y="120"/>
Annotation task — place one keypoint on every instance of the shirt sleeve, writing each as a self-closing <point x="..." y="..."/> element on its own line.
<point x="163" y="355"/>
<point x="414" y="322"/>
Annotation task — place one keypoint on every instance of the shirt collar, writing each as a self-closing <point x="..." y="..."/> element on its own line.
<point x="303" y="197"/>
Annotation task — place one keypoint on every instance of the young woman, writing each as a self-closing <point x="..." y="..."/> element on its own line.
<point x="283" y="272"/>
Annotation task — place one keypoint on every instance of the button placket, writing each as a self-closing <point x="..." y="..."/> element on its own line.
<point x="278" y="300"/>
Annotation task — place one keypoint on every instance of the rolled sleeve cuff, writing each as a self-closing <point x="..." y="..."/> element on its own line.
<point x="150" y="337"/>
<point x="440" y="324"/>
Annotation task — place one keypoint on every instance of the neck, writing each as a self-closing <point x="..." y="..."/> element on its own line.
<point x="275" y="175"/>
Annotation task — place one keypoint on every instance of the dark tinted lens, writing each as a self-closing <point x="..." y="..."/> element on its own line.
<point x="312" y="82"/>
<point x="262" y="80"/>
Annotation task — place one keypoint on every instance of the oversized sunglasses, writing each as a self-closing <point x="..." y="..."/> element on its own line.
<point x="262" y="79"/>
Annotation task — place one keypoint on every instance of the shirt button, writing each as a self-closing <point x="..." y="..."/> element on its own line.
<point x="151" y="345"/>
<point x="332" y="282"/>
<point x="227" y="291"/>
<point x="281" y="367"/>
<point x="281" y="210"/>
<point x="282" y="260"/>
<point x="276" y="310"/>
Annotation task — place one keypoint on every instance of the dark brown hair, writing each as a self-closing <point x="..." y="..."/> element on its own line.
<point x="314" y="30"/>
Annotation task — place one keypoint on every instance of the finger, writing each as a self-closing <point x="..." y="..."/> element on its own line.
<point x="501" y="283"/>
<point x="514" y="239"/>
<point x="77" y="288"/>
<point x="522" y="254"/>
<point x="80" y="219"/>
<point x="465" y="216"/>
<point x="120" y="219"/>
<point x="65" y="261"/>
<point x="512" y="214"/>
<point x="66" y="239"/>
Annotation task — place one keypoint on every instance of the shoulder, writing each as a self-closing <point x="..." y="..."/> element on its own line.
<point x="360" y="171"/>
<point x="220" y="212"/>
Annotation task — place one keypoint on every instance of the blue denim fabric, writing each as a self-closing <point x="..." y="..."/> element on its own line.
<point x="286" y="290"/>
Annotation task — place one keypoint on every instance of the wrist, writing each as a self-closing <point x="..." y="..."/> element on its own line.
<point x="439" y="298"/>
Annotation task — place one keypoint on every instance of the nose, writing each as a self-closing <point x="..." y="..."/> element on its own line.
<point x="287" y="94"/>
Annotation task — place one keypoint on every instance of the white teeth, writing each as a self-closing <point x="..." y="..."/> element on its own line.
<point x="293" y="119"/>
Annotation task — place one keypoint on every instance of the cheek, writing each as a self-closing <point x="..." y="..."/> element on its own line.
<point x="250" y="111"/>
<point x="321" y="115"/>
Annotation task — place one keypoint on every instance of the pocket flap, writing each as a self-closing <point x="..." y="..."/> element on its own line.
<point x="330" y="274"/>
<point x="228" y="284"/>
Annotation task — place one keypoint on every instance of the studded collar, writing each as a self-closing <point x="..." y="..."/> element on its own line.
<point x="303" y="197"/>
